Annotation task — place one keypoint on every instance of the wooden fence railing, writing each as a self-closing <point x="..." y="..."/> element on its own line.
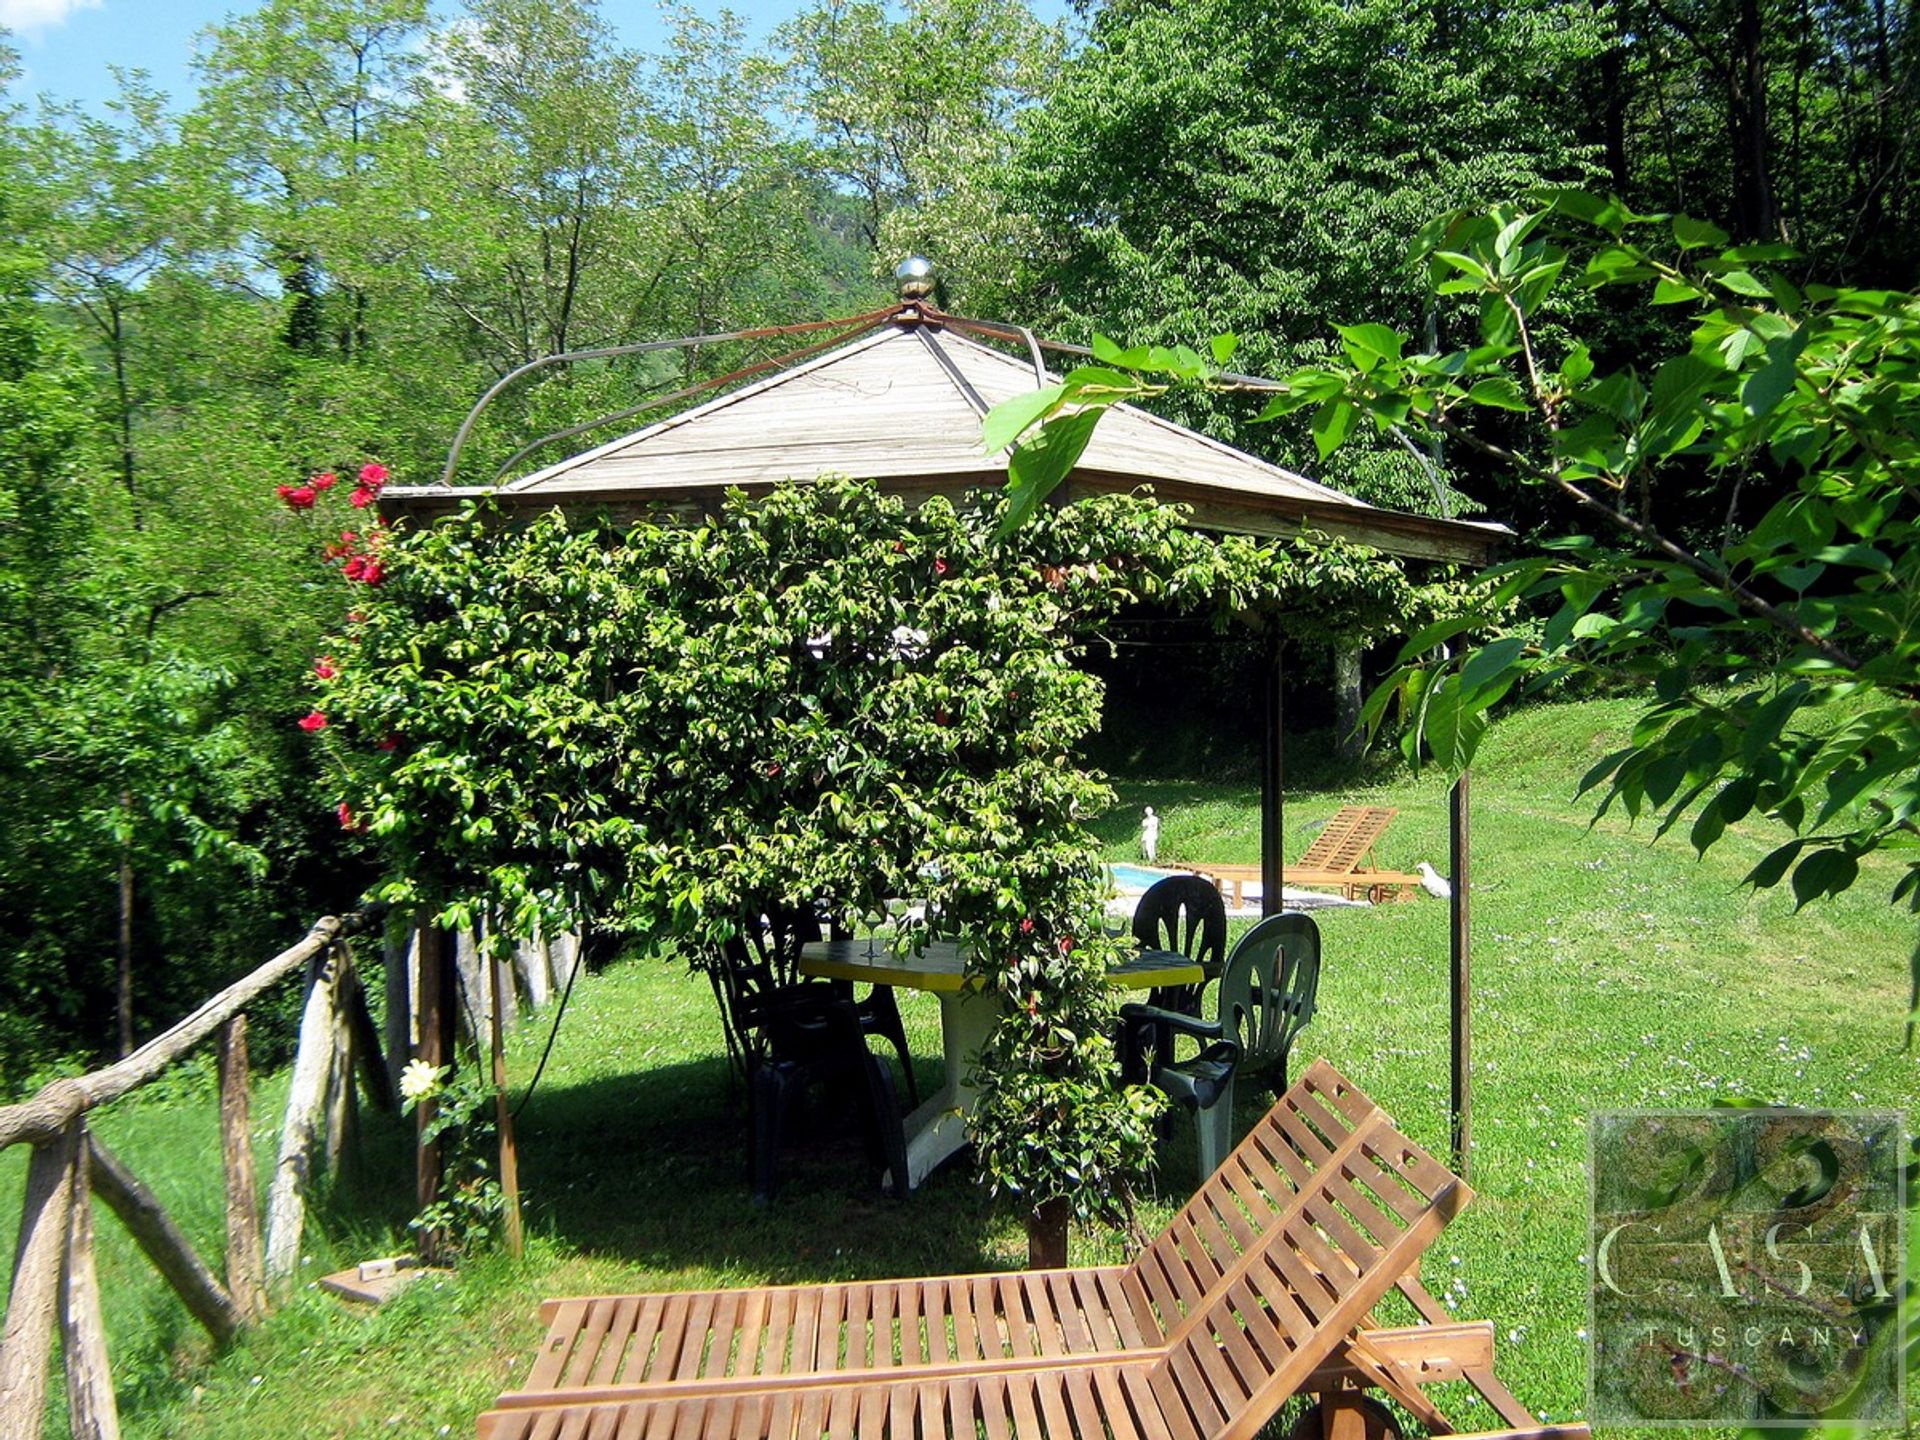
<point x="437" y="986"/>
<point x="54" y="1286"/>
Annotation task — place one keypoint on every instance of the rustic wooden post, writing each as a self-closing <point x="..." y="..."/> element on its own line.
<point x="306" y="1097"/>
<point x="530" y="958"/>
<point x="379" y="1083"/>
<point x="433" y="1046"/>
<point x="509" y="1149"/>
<point x="246" y="1257"/>
<point x="475" y="1009"/>
<point x="341" y="1118"/>
<point x="170" y="1251"/>
<point x="397" y="953"/>
<point x="92" y="1412"/>
<point x="26" y="1344"/>
<point x="1460" y="978"/>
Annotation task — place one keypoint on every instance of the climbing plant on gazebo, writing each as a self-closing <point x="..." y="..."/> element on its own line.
<point x="823" y="693"/>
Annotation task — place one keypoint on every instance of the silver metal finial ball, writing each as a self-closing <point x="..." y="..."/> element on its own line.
<point x="915" y="274"/>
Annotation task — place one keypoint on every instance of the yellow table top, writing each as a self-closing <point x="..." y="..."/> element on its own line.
<point x="942" y="966"/>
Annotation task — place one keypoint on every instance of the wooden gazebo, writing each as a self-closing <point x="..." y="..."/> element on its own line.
<point x="899" y="401"/>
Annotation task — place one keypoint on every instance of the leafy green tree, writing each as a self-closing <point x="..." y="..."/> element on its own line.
<point x="913" y="114"/>
<point x="1232" y="166"/>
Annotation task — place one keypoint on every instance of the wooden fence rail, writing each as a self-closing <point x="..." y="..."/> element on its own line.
<point x="55" y="1288"/>
<point x="435" y="986"/>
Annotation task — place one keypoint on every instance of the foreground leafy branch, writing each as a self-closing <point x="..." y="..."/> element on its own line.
<point x="1780" y="660"/>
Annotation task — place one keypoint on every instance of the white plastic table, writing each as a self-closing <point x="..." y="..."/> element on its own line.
<point x="967" y="1013"/>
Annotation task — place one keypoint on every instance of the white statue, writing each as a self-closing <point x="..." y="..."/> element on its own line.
<point x="1150" y="836"/>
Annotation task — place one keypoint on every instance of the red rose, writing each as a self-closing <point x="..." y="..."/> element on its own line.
<point x="939" y="567"/>
<point x="314" y="720"/>
<point x="347" y="822"/>
<point x="325" y="480"/>
<point x="1066" y="945"/>
<point x="1026" y="926"/>
<point x="323" y="667"/>
<point x="298" y="497"/>
<point x="373" y="475"/>
<point x="363" y="497"/>
<point x="356" y="567"/>
<point x="373" y="574"/>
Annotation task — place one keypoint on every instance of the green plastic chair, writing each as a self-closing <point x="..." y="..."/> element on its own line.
<point x="1266" y="998"/>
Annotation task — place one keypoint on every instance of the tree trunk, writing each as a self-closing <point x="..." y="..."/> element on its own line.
<point x="123" y="990"/>
<point x="1756" y="213"/>
<point x="1347" y="700"/>
<point x="1047" y="1235"/>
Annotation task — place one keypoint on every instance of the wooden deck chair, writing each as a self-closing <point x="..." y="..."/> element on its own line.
<point x="630" y="1340"/>
<point x="725" y="1344"/>
<point x="1340" y="858"/>
<point x="1276" y="1322"/>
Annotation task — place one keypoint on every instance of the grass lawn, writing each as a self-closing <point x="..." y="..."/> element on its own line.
<point x="1608" y="972"/>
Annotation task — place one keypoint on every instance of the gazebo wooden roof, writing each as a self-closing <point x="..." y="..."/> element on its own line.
<point x="902" y="406"/>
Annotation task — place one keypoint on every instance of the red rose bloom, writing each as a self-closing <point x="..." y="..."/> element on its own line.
<point x="323" y="667"/>
<point x="298" y="497"/>
<point x="363" y="497"/>
<point x="1026" y="926"/>
<point x="373" y="574"/>
<point x="347" y="822"/>
<point x="373" y="475"/>
<point x="325" y="480"/>
<point x="939" y="567"/>
<point x="1066" y="945"/>
<point x="356" y="567"/>
<point x="313" y="721"/>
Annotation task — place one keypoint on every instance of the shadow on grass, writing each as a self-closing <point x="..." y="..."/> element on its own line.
<point x="650" y="1169"/>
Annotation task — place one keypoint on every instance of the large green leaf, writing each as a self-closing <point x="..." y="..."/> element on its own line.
<point x="1010" y="419"/>
<point x="1036" y="468"/>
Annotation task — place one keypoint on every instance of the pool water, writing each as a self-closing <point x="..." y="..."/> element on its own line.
<point x="1136" y="877"/>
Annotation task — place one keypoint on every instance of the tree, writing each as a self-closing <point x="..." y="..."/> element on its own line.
<point x="1227" y="165"/>
<point x="915" y="140"/>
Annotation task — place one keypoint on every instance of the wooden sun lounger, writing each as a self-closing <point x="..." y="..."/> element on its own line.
<point x="984" y="1350"/>
<point x="1340" y="858"/>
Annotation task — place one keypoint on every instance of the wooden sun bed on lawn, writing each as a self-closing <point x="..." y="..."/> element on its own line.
<point x="1340" y="858"/>
<point x="1260" y="1288"/>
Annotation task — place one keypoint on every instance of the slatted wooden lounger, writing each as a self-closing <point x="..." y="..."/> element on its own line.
<point x="1340" y="857"/>
<point x="614" y="1363"/>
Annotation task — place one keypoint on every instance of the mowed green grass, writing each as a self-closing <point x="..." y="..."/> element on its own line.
<point x="1608" y="972"/>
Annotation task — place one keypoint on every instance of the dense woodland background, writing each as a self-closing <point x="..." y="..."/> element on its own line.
<point x="372" y="209"/>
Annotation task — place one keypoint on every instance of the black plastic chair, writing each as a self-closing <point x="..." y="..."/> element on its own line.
<point x="786" y="1037"/>
<point x="1183" y="913"/>
<point x="879" y="1015"/>
<point x="1267" y="994"/>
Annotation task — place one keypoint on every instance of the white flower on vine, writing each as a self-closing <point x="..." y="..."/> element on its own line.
<point x="420" y="1081"/>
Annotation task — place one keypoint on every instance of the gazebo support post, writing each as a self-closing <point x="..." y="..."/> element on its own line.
<point x="1273" y="782"/>
<point x="1460" y="986"/>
